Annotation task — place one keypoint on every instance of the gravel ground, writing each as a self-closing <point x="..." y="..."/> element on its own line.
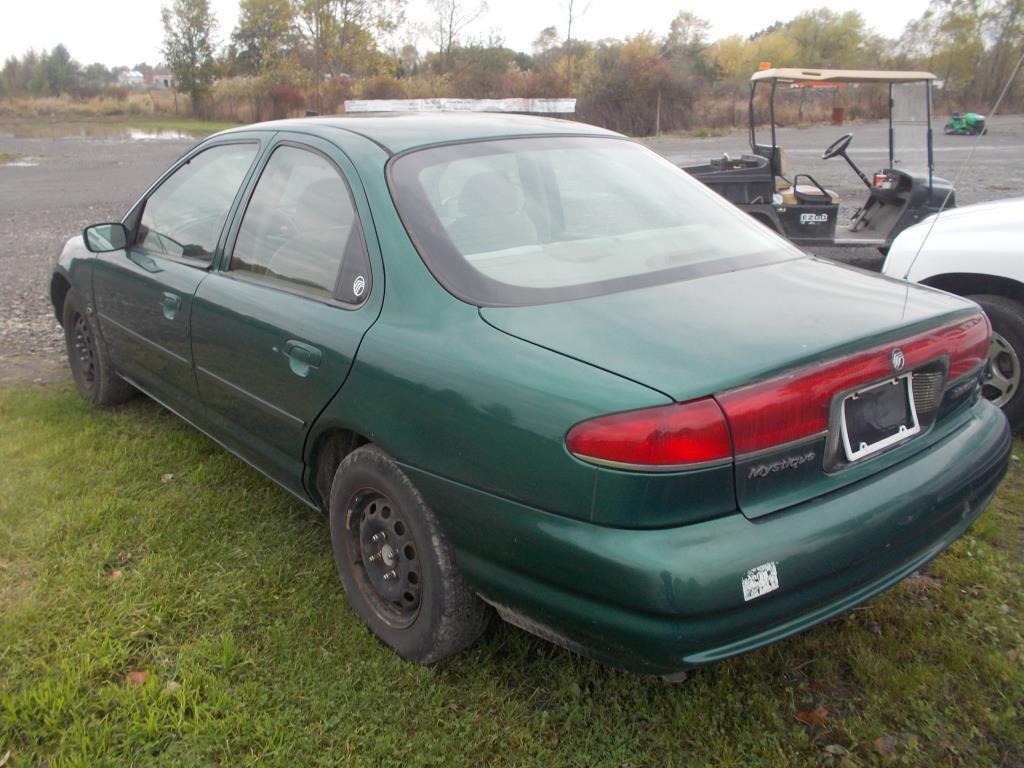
<point x="60" y="183"/>
<point x="57" y="186"/>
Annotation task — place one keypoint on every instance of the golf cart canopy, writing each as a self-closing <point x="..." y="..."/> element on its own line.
<point x="794" y="75"/>
<point x="798" y="207"/>
<point x="909" y="101"/>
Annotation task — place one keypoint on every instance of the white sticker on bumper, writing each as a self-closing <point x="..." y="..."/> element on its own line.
<point x="760" y="581"/>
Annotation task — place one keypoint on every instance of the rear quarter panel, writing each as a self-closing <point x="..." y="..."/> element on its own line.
<point x="441" y="390"/>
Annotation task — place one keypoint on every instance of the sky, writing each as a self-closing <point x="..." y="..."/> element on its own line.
<point x="126" y="32"/>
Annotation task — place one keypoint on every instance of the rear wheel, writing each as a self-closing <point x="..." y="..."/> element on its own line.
<point x="1002" y="381"/>
<point x="396" y="565"/>
<point x="91" y="370"/>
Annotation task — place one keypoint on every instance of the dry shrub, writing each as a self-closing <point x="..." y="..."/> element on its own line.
<point x="429" y="86"/>
<point x="332" y="95"/>
<point x="382" y="87"/>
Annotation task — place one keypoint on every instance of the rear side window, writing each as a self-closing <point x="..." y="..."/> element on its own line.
<point x="185" y="215"/>
<point x="300" y="226"/>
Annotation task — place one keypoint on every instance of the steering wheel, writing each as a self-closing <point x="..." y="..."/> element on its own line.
<point x="837" y="147"/>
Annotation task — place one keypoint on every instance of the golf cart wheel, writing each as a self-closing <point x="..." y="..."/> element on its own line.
<point x="948" y="129"/>
<point x="1001" y="383"/>
<point x="396" y="565"/>
<point x="91" y="370"/>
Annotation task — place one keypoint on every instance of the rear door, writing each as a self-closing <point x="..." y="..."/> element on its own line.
<point x="276" y="328"/>
<point x="144" y="294"/>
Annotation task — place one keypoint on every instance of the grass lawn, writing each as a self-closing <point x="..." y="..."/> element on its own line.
<point x="8" y="157"/>
<point x="197" y="128"/>
<point x="164" y="604"/>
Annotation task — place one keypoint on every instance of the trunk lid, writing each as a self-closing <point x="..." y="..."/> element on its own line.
<point x="715" y="334"/>
<point x="698" y="337"/>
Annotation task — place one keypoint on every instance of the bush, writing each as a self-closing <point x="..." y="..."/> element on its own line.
<point x="382" y="87"/>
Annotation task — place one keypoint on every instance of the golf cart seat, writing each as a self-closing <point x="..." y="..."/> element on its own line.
<point x="795" y="193"/>
<point x="802" y="193"/>
<point x="806" y="193"/>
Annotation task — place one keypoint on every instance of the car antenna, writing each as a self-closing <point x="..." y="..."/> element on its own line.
<point x="964" y="164"/>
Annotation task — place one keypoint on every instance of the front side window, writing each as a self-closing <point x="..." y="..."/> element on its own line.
<point x="300" y="225"/>
<point x="533" y="220"/>
<point x="184" y="216"/>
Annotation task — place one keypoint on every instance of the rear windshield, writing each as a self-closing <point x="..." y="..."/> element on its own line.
<point x="537" y="220"/>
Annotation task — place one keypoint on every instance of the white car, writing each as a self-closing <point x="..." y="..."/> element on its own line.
<point x="976" y="251"/>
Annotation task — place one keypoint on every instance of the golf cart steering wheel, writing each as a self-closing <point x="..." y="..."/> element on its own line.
<point x="837" y="147"/>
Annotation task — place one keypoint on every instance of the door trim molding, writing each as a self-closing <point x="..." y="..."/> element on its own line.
<point x="136" y="335"/>
<point x="270" y="408"/>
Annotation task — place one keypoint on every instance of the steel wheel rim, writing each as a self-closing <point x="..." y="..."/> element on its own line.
<point x="85" y="352"/>
<point x="385" y="558"/>
<point x="1002" y="373"/>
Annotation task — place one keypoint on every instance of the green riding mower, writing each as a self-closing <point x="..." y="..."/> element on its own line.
<point x="965" y="124"/>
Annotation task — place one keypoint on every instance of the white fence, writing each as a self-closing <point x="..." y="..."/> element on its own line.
<point x="540" y="106"/>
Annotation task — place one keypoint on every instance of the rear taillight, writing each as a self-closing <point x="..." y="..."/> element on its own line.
<point x="797" y="405"/>
<point x="770" y="413"/>
<point x="668" y="437"/>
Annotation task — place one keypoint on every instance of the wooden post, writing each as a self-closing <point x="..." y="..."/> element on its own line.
<point x="657" y="116"/>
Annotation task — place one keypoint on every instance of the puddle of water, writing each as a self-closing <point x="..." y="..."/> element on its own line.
<point x="160" y="134"/>
<point x="40" y="130"/>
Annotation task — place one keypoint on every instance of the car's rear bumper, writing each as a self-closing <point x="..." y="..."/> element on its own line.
<point x="660" y="601"/>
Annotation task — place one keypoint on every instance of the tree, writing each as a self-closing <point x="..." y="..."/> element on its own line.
<point x="686" y="45"/>
<point x="1005" y="23"/>
<point x="55" y="73"/>
<point x="573" y="9"/>
<point x="828" y="39"/>
<point x="451" y="17"/>
<point x="688" y="34"/>
<point x="264" y="34"/>
<point x="546" y="39"/>
<point x="93" y="79"/>
<point x="189" y="26"/>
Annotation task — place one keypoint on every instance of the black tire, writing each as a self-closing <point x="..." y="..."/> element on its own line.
<point x="1007" y="356"/>
<point x="91" y="370"/>
<point x="426" y="612"/>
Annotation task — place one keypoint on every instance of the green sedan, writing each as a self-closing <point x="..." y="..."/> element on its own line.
<point x="528" y="367"/>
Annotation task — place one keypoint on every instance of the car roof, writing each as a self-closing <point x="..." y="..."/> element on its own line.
<point x="397" y="132"/>
<point x="796" y="75"/>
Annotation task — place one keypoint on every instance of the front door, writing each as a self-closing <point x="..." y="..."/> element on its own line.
<point x="275" y="331"/>
<point x="144" y="294"/>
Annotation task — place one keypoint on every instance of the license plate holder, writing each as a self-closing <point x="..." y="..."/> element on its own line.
<point x="878" y="416"/>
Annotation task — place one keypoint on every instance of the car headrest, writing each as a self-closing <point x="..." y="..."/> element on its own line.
<point x="489" y="192"/>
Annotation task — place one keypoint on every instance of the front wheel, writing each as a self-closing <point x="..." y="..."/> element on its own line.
<point x="91" y="369"/>
<point x="1002" y="380"/>
<point x="396" y="565"/>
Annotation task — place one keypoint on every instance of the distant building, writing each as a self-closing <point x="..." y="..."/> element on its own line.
<point x="131" y="79"/>
<point x="159" y="80"/>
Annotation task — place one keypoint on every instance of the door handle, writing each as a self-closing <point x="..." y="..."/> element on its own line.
<point x="170" y="303"/>
<point x="302" y="357"/>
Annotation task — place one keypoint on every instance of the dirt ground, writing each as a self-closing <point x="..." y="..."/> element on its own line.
<point x="66" y="177"/>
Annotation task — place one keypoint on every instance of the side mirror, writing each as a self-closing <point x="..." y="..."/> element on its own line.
<point x="103" y="238"/>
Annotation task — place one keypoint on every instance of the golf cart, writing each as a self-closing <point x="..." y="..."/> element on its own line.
<point x="800" y="208"/>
